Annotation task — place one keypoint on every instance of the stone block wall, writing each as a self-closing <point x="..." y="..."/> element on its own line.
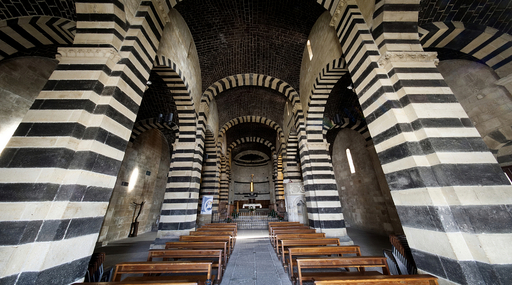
<point x="149" y="152"/>
<point x="21" y="80"/>
<point x="364" y="205"/>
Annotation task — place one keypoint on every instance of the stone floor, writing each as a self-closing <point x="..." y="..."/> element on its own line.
<point x="253" y="260"/>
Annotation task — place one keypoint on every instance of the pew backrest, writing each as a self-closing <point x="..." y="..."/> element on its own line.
<point x="279" y="237"/>
<point x="417" y="279"/>
<point x="303" y="252"/>
<point x="199" y="245"/>
<point x="208" y="239"/>
<point x="161" y="267"/>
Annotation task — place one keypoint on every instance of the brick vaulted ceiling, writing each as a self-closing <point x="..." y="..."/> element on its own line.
<point x="247" y="36"/>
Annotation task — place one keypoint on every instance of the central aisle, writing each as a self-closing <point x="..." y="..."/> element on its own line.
<point x="254" y="261"/>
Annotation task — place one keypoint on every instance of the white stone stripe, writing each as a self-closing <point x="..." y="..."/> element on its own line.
<point x="51" y="210"/>
<point x="427" y="133"/>
<point x="178" y="218"/>
<point x="57" y="176"/>
<point x="442" y="29"/>
<point x="24" y="22"/>
<point x="17" y="37"/>
<point x="29" y="257"/>
<point x="42" y="22"/>
<point x="483" y="37"/>
<point x="453" y="196"/>
<point x="487" y="248"/>
<point x="67" y="142"/>
<point x="459" y="28"/>
<point x="439" y="158"/>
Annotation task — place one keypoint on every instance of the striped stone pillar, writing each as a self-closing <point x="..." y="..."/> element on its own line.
<point x="292" y="172"/>
<point x="58" y="170"/>
<point x="451" y="196"/>
<point x="322" y="197"/>
<point x="224" y="187"/>
<point x="279" y="179"/>
<point x="209" y="179"/>
<point x="179" y="209"/>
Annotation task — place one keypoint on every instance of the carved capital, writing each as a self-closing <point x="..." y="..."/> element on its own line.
<point x="337" y="13"/>
<point x="110" y="53"/>
<point x="413" y="56"/>
<point x="161" y="8"/>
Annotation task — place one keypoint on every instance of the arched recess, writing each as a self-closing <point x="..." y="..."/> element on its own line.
<point x="250" y="139"/>
<point x="152" y="123"/>
<point x="19" y="34"/>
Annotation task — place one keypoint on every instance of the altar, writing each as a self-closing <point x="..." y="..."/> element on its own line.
<point x="251" y="206"/>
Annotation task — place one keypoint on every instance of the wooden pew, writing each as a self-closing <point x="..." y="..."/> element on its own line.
<point x="169" y="282"/>
<point x="215" y="233"/>
<point x="152" y="267"/>
<point x="222" y="225"/>
<point x="358" y="262"/>
<point x="286" y="243"/>
<point x="283" y="225"/>
<point x="290" y="231"/>
<point x="210" y="238"/>
<point x="295" y="235"/>
<point x="213" y="255"/>
<point x="274" y="229"/>
<point x="420" y="279"/>
<point x="199" y="245"/>
<point x="305" y="252"/>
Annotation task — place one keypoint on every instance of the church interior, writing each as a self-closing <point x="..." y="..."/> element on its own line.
<point x="119" y="117"/>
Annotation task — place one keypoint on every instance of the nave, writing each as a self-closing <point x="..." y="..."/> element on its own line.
<point x="253" y="260"/>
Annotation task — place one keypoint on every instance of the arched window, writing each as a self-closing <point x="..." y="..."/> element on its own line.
<point x="350" y="162"/>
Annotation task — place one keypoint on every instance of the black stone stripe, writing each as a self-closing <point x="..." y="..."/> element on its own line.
<point x="463" y="39"/>
<point x="58" y="31"/>
<point x="23" y="232"/>
<point x="75" y="130"/>
<point x="13" y="24"/>
<point x="502" y="63"/>
<point x="73" y="85"/>
<point x="182" y="201"/>
<point x="432" y="30"/>
<point x="447" y="32"/>
<point x="35" y="25"/>
<point x="178" y="212"/>
<point x="388" y="105"/>
<point x="419" y="83"/>
<point x="485" y="43"/>
<point x="10" y="41"/>
<point x="62" y="274"/>
<point x="446" y="175"/>
<point x="121" y="97"/>
<point x="323" y="210"/>
<point x="140" y="60"/>
<point x="95" y="17"/>
<point x="88" y="67"/>
<point x="395" y="27"/>
<point x="149" y="19"/>
<point x="63" y="104"/>
<point x="432" y="145"/>
<point x="427" y="98"/>
<point x="497" y="51"/>
<point x="114" y="114"/>
<point x="176" y="226"/>
<point x="461" y="271"/>
<point x="473" y="219"/>
<point x="106" y="137"/>
<point x="330" y="224"/>
<point x="398" y="70"/>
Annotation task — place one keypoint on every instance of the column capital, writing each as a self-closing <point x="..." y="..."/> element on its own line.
<point x="88" y="52"/>
<point x="337" y="13"/>
<point x="404" y="56"/>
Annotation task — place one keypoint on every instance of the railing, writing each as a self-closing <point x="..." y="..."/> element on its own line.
<point x="248" y="220"/>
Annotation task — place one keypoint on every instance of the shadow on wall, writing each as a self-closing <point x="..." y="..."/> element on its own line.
<point x="150" y="155"/>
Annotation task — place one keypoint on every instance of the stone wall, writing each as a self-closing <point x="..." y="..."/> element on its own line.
<point x="325" y="47"/>
<point x="488" y="105"/>
<point x="149" y="152"/>
<point x="364" y="205"/>
<point x="178" y="45"/>
<point x="21" y="80"/>
<point x="240" y="173"/>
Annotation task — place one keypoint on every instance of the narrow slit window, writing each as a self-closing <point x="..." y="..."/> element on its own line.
<point x="350" y="162"/>
<point x="310" y="51"/>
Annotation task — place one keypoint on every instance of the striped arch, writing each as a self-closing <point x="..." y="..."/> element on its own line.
<point x="148" y="124"/>
<point x="27" y="32"/>
<point x="248" y="140"/>
<point x="322" y="87"/>
<point x="358" y="126"/>
<point x="251" y="79"/>
<point x="252" y="119"/>
<point x="179" y="88"/>
<point x="490" y="46"/>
